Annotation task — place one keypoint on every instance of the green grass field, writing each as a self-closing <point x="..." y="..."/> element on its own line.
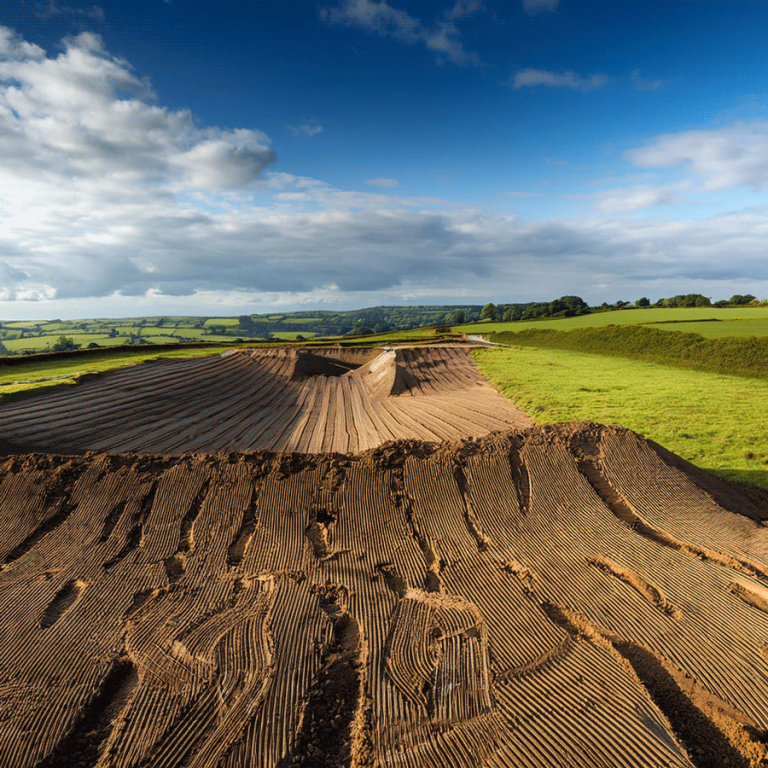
<point x="755" y="320"/>
<point x="222" y="321"/>
<point x="21" y="324"/>
<point x="77" y="365"/>
<point x="721" y="329"/>
<point x="729" y="355"/>
<point x="291" y="335"/>
<point x="714" y="421"/>
<point x="153" y="335"/>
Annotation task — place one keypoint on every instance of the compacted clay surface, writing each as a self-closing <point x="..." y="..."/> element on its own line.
<point x="315" y="401"/>
<point x="555" y="596"/>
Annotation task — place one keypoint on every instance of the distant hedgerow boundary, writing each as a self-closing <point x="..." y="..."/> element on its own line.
<point x="736" y="356"/>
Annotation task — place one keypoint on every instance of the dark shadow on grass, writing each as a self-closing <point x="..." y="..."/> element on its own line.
<point x="752" y="477"/>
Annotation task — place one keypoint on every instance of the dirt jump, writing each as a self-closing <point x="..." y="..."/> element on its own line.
<point x="283" y="400"/>
<point x="542" y="596"/>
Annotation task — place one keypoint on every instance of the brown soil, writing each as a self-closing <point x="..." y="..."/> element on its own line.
<point x="568" y="595"/>
<point x="553" y="596"/>
<point x="316" y="401"/>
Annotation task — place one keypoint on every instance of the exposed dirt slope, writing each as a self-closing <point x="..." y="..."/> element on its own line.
<point x="316" y="401"/>
<point x="559" y="596"/>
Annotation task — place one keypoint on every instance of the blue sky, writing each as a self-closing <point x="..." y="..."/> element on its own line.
<point x="200" y="158"/>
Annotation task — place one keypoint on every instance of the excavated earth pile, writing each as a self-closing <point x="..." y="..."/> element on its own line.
<point x="554" y="596"/>
<point x="323" y="400"/>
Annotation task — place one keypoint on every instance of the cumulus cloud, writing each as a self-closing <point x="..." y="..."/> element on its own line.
<point x="462" y="8"/>
<point x="86" y="115"/>
<point x="537" y="6"/>
<point x="442" y="37"/>
<point x="637" y="197"/>
<point x="105" y="193"/>
<point x="708" y="160"/>
<point x="308" y="129"/>
<point x="720" y="158"/>
<point x="383" y="183"/>
<point x="531" y="78"/>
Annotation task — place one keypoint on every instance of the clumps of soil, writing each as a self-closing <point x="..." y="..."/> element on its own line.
<point x="494" y="600"/>
<point x="335" y="721"/>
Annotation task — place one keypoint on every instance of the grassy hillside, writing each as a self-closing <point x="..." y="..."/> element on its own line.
<point x="740" y="356"/>
<point x="25" y="337"/>
<point x="707" y="321"/>
<point x="715" y="421"/>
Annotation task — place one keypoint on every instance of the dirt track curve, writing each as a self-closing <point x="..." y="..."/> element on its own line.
<point x="318" y="401"/>
<point x="546" y="597"/>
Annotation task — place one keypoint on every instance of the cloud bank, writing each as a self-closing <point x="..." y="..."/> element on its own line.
<point x="104" y="193"/>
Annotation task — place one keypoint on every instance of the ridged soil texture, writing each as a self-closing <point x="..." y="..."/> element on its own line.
<point x="555" y="596"/>
<point x="321" y="400"/>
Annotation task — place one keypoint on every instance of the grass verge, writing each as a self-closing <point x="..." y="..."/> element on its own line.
<point x="713" y="420"/>
<point x="737" y="356"/>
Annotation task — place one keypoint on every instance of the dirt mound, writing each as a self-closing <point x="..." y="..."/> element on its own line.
<point x="556" y="596"/>
<point x="318" y="400"/>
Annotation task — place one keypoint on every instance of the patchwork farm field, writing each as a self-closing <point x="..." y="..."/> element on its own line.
<point x="366" y="557"/>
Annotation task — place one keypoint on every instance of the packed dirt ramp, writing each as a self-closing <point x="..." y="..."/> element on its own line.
<point x="307" y="400"/>
<point x="552" y="596"/>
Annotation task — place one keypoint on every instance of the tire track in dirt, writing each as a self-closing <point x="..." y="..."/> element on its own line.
<point x="463" y="604"/>
<point x="591" y="470"/>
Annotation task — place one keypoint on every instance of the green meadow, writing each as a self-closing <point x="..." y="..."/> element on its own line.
<point x="715" y="421"/>
<point x="707" y="321"/>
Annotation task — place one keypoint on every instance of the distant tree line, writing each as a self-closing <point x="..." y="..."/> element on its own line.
<point x="347" y="323"/>
<point x="321" y="323"/>
<point x="697" y="300"/>
<point x="570" y="306"/>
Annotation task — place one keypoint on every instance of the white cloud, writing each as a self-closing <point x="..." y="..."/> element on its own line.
<point x="537" y="6"/>
<point x="531" y="78"/>
<point x="442" y="37"/>
<point x="391" y="183"/>
<point x="106" y="196"/>
<point x="308" y="129"/>
<point x="85" y="115"/>
<point x="52" y="8"/>
<point x="642" y="84"/>
<point x="14" y="48"/>
<point x="720" y="158"/>
<point x="633" y="198"/>
<point x="462" y="8"/>
<point x="709" y="160"/>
